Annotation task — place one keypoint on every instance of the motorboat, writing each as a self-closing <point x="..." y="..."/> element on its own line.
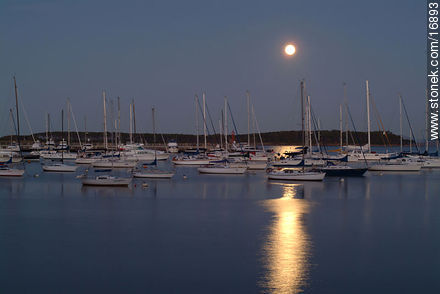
<point x="106" y="180"/>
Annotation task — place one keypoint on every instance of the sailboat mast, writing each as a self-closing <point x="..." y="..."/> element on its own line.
<point x="119" y="122"/>
<point x="105" y="122"/>
<point x="18" y="118"/>
<point x="204" y="118"/>
<point x="131" y="123"/>
<point x="47" y="128"/>
<point x="401" y="126"/>
<point x="368" y="116"/>
<point x="309" y="123"/>
<point x="196" y="102"/>
<point x="68" y="122"/>
<point x="340" y="126"/>
<point x="346" y="114"/>
<point x="221" y="130"/>
<point x="62" y="134"/>
<point x="134" y="121"/>
<point x="302" y="117"/>
<point x="249" y="118"/>
<point x="226" y="123"/>
<point x="153" y="115"/>
<point x="85" y="129"/>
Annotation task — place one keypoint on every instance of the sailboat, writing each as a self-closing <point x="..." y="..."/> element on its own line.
<point x="60" y="167"/>
<point x="153" y="172"/>
<point x="4" y="169"/>
<point x="293" y="174"/>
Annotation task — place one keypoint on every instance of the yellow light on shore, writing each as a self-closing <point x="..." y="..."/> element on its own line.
<point x="289" y="49"/>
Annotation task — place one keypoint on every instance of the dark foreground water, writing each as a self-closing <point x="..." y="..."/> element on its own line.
<point x="221" y="234"/>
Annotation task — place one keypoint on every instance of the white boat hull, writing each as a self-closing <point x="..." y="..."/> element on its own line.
<point x="11" y="172"/>
<point x="59" y="168"/>
<point x="222" y="170"/>
<point x="297" y="176"/>
<point x="114" y="164"/>
<point x="191" y="162"/>
<point x="395" y="167"/>
<point x="156" y="175"/>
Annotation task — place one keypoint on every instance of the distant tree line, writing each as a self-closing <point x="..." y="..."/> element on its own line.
<point x="330" y="137"/>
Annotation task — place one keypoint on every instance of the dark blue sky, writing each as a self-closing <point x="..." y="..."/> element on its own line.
<point x="163" y="52"/>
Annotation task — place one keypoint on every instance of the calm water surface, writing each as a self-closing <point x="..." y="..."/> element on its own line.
<point x="221" y="234"/>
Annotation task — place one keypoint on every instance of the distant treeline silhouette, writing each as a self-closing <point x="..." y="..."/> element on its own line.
<point x="330" y="137"/>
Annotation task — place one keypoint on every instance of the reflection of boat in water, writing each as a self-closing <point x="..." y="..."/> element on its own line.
<point x="106" y="180"/>
<point x="10" y="172"/>
<point x="289" y="174"/>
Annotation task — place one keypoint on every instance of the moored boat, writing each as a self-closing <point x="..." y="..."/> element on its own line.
<point x="106" y="180"/>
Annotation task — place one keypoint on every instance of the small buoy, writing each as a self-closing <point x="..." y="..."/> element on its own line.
<point x="342" y="180"/>
<point x="135" y="185"/>
<point x="36" y="175"/>
<point x="29" y="161"/>
<point x="185" y="177"/>
<point x="381" y="174"/>
<point x="144" y="185"/>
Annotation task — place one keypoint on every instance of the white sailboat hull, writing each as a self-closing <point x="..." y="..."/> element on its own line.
<point x="191" y="162"/>
<point x="59" y="168"/>
<point x="11" y="172"/>
<point x="114" y="164"/>
<point x="151" y="174"/>
<point x="222" y="170"/>
<point x="395" y="167"/>
<point x="297" y="176"/>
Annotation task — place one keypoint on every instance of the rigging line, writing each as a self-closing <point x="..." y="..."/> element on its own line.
<point x="26" y="118"/>
<point x="235" y="127"/>
<point x="212" y="124"/>
<point x="204" y="118"/>
<point x="258" y="128"/>
<point x="380" y="120"/>
<point x="74" y="121"/>
<point x="356" y="134"/>
<point x="314" y="122"/>
<point x="410" y="127"/>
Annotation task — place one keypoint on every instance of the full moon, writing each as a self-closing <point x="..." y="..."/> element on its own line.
<point x="289" y="49"/>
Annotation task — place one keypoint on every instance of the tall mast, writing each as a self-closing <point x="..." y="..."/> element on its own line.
<point x="340" y="126"/>
<point x="196" y="102"/>
<point x="221" y="130"/>
<point x="105" y="122"/>
<point x="131" y="123"/>
<point x="204" y="118"/>
<point x="346" y="114"/>
<point x="47" y="128"/>
<point x="249" y="118"/>
<point x="18" y="118"/>
<point x="62" y="134"/>
<point x="302" y="119"/>
<point x="68" y="121"/>
<point x="309" y="123"/>
<point x="368" y="116"/>
<point x="134" y="122"/>
<point x="85" y="129"/>
<point x="119" y="122"/>
<point x="154" y="124"/>
<point x="226" y="124"/>
<point x="401" y="125"/>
